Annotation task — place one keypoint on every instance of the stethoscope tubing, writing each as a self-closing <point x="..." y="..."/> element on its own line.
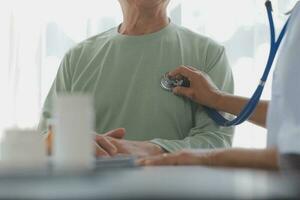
<point x="249" y="108"/>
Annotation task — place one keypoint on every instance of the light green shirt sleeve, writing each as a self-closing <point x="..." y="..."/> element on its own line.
<point x="207" y="134"/>
<point x="62" y="83"/>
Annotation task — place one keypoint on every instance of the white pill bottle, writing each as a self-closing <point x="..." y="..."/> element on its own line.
<point x="73" y="128"/>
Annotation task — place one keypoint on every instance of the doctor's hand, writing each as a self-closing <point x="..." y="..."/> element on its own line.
<point x="202" y="90"/>
<point x="185" y="157"/>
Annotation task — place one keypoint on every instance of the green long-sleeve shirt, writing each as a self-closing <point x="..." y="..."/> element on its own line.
<point x="123" y="75"/>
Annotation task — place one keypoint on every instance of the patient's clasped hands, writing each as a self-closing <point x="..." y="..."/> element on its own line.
<point x="113" y="143"/>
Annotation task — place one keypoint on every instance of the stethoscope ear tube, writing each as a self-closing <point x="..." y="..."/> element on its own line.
<point x="251" y="105"/>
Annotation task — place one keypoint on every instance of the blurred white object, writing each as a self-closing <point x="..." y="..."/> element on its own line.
<point x="23" y="149"/>
<point x="284" y="110"/>
<point x="73" y="128"/>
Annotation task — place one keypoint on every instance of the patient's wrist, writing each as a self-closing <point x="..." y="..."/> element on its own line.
<point x="155" y="149"/>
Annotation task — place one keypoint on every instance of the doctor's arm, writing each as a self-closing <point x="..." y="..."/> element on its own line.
<point x="208" y="92"/>
<point x="235" y="157"/>
<point x="204" y="91"/>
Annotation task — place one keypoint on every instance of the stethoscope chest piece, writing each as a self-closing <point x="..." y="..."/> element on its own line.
<point x="168" y="83"/>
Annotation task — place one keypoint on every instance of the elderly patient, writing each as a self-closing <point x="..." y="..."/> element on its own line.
<point x="122" y="69"/>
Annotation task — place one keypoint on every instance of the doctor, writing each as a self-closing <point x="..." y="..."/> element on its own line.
<point x="281" y="116"/>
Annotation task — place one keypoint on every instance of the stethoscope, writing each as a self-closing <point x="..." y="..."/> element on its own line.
<point x="168" y="83"/>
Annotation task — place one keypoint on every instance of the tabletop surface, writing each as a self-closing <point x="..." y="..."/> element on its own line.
<point x="153" y="183"/>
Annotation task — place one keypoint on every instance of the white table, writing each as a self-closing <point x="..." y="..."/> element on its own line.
<point x="154" y="183"/>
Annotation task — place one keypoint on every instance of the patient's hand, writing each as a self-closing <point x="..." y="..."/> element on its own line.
<point x="104" y="146"/>
<point x="119" y="146"/>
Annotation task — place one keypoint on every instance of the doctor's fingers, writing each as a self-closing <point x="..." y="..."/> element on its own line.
<point x="106" y="145"/>
<point x="161" y="160"/>
<point x="188" y="92"/>
<point x="181" y="158"/>
<point x="184" y="71"/>
<point x="193" y="68"/>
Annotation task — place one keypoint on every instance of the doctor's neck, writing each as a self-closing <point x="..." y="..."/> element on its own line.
<point x="141" y="21"/>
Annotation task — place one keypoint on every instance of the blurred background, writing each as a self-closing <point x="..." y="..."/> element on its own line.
<point x="35" y="35"/>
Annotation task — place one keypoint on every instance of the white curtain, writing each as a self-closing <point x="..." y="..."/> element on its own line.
<point x="35" y="34"/>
